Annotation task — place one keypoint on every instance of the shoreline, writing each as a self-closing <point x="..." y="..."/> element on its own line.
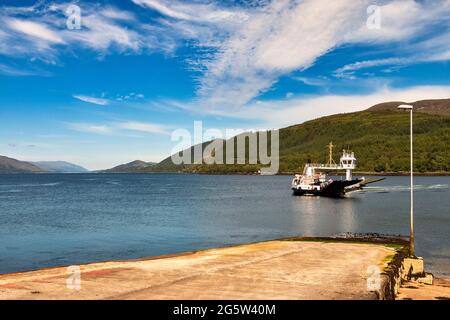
<point x="287" y="268"/>
<point x="375" y="174"/>
<point x="357" y="238"/>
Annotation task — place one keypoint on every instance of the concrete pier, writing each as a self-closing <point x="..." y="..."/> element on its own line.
<point x="279" y="269"/>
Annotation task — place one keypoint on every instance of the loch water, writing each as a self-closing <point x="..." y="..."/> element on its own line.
<point x="64" y="219"/>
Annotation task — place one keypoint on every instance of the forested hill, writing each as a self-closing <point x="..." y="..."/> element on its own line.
<point x="379" y="137"/>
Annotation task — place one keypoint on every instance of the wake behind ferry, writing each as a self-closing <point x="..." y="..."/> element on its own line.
<point x="314" y="182"/>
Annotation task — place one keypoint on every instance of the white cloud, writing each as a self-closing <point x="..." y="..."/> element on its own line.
<point x="100" y="33"/>
<point x="120" y="128"/>
<point x="113" y="13"/>
<point x="103" y="29"/>
<point x="132" y="96"/>
<point x="278" y="114"/>
<point x="274" y="40"/>
<point x="93" y="100"/>
<point x="313" y="81"/>
<point x="400" y="19"/>
<point x="348" y="70"/>
<point x="20" y="72"/>
<point x="35" y="29"/>
<point x="144" y="127"/>
<point x="404" y="23"/>
<point x="435" y="49"/>
<point x="19" y="38"/>
<point x="284" y="36"/>
<point x="198" y="12"/>
<point x="90" y="128"/>
<point x="245" y="49"/>
<point x="164" y="9"/>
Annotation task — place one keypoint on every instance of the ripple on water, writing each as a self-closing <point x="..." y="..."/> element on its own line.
<point x="403" y="188"/>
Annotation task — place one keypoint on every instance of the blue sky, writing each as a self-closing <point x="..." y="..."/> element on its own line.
<point x="113" y="90"/>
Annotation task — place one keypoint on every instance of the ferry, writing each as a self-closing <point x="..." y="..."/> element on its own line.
<point x="316" y="183"/>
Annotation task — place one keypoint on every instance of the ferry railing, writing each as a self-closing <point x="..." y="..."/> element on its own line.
<point x="325" y="166"/>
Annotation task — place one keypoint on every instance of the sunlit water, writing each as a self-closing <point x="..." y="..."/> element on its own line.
<point x="63" y="219"/>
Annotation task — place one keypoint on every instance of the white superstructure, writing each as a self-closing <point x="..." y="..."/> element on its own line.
<point x="314" y="181"/>
<point x="348" y="162"/>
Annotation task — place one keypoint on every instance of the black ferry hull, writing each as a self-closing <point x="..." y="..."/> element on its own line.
<point x="333" y="189"/>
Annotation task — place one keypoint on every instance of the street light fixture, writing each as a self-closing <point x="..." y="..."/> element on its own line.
<point x="411" y="230"/>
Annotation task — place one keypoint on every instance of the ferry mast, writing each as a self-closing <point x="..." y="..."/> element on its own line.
<point x="347" y="162"/>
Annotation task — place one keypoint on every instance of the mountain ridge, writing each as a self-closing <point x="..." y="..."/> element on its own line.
<point x="130" y="167"/>
<point x="430" y="106"/>
<point x="378" y="135"/>
<point x="59" y="167"/>
<point x="10" y="165"/>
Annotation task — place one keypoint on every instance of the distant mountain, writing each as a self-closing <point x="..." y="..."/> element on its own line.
<point x="59" y="167"/>
<point x="131" y="167"/>
<point x="379" y="136"/>
<point x="436" y="106"/>
<point x="9" y="165"/>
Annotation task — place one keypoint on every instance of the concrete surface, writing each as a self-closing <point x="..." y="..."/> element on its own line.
<point x="413" y="290"/>
<point x="266" y="270"/>
<point x="413" y="267"/>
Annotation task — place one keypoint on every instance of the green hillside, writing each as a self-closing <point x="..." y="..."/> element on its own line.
<point x="380" y="140"/>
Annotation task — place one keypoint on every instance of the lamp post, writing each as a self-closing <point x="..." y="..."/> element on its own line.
<point x="411" y="227"/>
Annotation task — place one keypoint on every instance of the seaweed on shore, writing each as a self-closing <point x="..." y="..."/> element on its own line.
<point x="394" y="241"/>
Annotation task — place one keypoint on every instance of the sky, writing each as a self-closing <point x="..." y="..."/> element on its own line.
<point x="100" y="83"/>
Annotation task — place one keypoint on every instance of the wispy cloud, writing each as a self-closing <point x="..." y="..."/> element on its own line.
<point x="23" y="145"/>
<point x="103" y="28"/>
<point x="243" y="49"/>
<point x="265" y="43"/>
<point x="34" y="30"/>
<point x="278" y="37"/>
<point x="282" y="113"/>
<point x="21" y="72"/>
<point x="132" y="96"/>
<point x="348" y="70"/>
<point x="195" y="11"/>
<point x="274" y="41"/>
<point x="90" y="128"/>
<point x="419" y="32"/>
<point x="102" y="32"/>
<point x="313" y="81"/>
<point x="122" y="128"/>
<point x="93" y="100"/>
<point x="144" y="127"/>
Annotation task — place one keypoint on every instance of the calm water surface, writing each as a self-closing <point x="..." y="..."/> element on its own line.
<point x="62" y="219"/>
